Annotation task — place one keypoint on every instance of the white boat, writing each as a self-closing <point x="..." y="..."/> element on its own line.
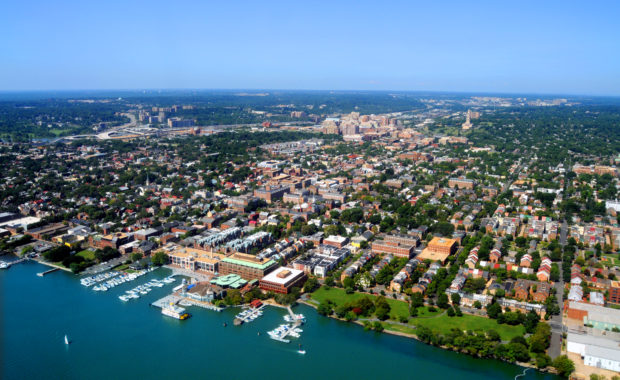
<point x="175" y="312"/>
<point x="66" y="339"/>
<point x="303" y="352"/>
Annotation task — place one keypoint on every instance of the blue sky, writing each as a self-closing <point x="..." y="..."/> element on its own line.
<point x="465" y="46"/>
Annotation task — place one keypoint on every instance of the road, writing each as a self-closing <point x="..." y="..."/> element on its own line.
<point x="555" y="349"/>
<point x="133" y="128"/>
<point x="563" y="233"/>
<point x="96" y="269"/>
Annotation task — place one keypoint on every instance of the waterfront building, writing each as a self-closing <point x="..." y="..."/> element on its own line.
<point x="247" y="266"/>
<point x="282" y="280"/>
<point x="599" y="352"/>
<point x="194" y="259"/>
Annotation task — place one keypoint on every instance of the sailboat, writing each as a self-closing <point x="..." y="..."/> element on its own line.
<point x="66" y="339"/>
<point x="300" y="351"/>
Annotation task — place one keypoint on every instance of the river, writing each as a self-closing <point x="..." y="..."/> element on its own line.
<point x="112" y="339"/>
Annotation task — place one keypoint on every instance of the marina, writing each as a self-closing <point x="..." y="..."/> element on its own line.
<point x="282" y="332"/>
<point x="248" y="315"/>
<point x="135" y="326"/>
<point x="145" y="288"/>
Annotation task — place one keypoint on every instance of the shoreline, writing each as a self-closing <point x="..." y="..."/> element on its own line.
<point x="52" y="265"/>
<point x="39" y="261"/>
<point x="414" y="337"/>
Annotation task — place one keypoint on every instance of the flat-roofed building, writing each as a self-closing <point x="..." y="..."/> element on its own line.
<point x="598" y="317"/>
<point x="336" y="241"/>
<point x="461" y="183"/>
<point x="595" y="351"/>
<point x="438" y="249"/>
<point x="270" y="194"/>
<point x="195" y="259"/>
<point x="247" y="266"/>
<point x="395" y="248"/>
<point x="282" y="280"/>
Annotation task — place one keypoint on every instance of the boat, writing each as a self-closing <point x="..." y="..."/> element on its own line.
<point x="4" y="265"/>
<point x="295" y="318"/>
<point x="303" y="352"/>
<point x="67" y="340"/>
<point x="175" y="311"/>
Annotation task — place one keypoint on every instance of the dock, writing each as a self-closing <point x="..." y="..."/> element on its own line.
<point x="176" y="299"/>
<point x="41" y="274"/>
<point x="250" y="317"/>
<point x="173" y="298"/>
<point x="282" y="337"/>
<point x="203" y="305"/>
<point x="9" y="263"/>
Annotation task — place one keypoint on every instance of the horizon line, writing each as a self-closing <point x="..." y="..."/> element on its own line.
<point x="169" y="89"/>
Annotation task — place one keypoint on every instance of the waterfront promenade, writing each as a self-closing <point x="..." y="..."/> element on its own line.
<point x="176" y="271"/>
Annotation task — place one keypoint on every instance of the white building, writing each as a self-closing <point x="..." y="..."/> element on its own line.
<point x="596" y="351"/>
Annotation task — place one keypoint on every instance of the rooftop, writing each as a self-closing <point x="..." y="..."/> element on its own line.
<point x="282" y="275"/>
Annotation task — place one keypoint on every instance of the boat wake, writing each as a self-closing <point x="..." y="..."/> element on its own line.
<point x="522" y="374"/>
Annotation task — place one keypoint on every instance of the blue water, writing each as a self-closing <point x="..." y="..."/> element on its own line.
<point x="113" y="339"/>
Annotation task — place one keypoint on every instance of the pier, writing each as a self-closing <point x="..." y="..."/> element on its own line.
<point x="9" y="263"/>
<point x="41" y="274"/>
<point x="176" y="299"/>
<point x="282" y="336"/>
<point x="253" y="314"/>
<point x="203" y="305"/>
<point x="173" y="298"/>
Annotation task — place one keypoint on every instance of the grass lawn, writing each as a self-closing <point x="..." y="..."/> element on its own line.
<point x="122" y="267"/>
<point x="340" y="297"/>
<point x="611" y="259"/>
<point x="399" y="328"/>
<point x="443" y="324"/>
<point x="87" y="254"/>
<point x="437" y="321"/>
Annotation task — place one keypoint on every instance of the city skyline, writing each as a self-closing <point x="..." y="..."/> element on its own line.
<point x="555" y="48"/>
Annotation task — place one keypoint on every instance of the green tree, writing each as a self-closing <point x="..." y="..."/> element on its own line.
<point x="442" y="301"/>
<point x="233" y="297"/>
<point x="159" y="258"/>
<point x="564" y="365"/>
<point x="382" y="308"/>
<point x="493" y="335"/>
<point x="494" y="310"/>
<point x="136" y="256"/>
<point x="417" y="300"/>
<point x="531" y="321"/>
<point x="324" y="309"/>
<point x="456" y="298"/>
<point x="311" y="285"/>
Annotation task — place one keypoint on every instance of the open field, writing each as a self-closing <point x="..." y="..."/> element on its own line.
<point x="87" y="254"/>
<point x="340" y="297"/>
<point x="437" y="321"/>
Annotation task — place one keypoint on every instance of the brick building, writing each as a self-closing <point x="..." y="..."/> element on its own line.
<point x="282" y="280"/>
<point x="247" y="266"/>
